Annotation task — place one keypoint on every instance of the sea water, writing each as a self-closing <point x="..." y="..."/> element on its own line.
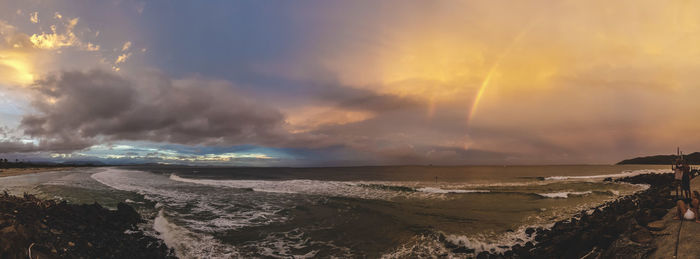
<point x="390" y="212"/>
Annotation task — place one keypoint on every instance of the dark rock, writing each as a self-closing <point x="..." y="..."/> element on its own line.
<point x="644" y="216"/>
<point x="520" y="251"/>
<point x="656" y="225"/>
<point x="625" y="248"/>
<point x="463" y="250"/>
<point x="617" y="229"/>
<point x="127" y="213"/>
<point x="61" y="230"/>
<point x="659" y="212"/>
<point x="529" y="231"/>
<point x="483" y="255"/>
<point x="448" y="245"/>
<point x="641" y="236"/>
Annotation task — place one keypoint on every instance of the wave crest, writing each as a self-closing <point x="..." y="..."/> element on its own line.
<point x="602" y="176"/>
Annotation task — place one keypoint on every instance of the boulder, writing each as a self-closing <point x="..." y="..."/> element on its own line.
<point x="625" y="248"/>
<point x="656" y="225"/>
<point x="128" y="214"/>
<point x="529" y="231"/>
<point x="642" y="236"/>
<point x="463" y="250"/>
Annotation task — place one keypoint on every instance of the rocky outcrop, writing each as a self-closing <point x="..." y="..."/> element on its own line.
<point x="617" y="229"/>
<point x="50" y="229"/>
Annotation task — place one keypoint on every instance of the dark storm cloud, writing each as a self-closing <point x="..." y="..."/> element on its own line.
<point x="344" y="96"/>
<point x="11" y="143"/>
<point x="8" y="146"/>
<point x="323" y="87"/>
<point x="75" y="110"/>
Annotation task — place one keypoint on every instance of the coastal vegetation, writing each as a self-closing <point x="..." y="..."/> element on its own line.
<point x="692" y="158"/>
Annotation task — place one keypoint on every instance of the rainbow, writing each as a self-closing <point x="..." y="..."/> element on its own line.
<point x="494" y="68"/>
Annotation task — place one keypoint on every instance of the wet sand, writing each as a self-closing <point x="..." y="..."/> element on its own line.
<point x="31" y="170"/>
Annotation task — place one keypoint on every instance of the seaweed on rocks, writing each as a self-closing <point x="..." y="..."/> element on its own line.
<point x="52" y="229"/>
<point x="616" y="229"/>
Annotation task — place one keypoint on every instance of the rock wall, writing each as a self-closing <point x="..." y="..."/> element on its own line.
<point x="617" y="229"/>
<point x="50" y="229"/>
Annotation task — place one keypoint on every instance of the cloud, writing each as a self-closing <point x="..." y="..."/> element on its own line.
<point x="25" y="57"/>
<point x="55" y="40"/>
<point x="568" y="82"/>
<point x="346" y="96"/>
<point x="34" y="17"/>
<point x="9" y="142"/>
<point x="7" y="146"/>
<point x="122" y="58"/>
<point x="16" y="49"/>
<point x="62" y="35"/>
<point x="78" y="109"/>
<point x="126" y="46"/>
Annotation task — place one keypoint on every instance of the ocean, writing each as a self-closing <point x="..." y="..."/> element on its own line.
<point x="375" y="212"/>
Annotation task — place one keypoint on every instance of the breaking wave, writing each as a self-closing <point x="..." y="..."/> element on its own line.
<point x="563" y="194"/>
<point x="365" y="190"/>
<point x="191" y="214"/>
<point x="442" y="191"/>
<point x="188" y="244"/>
<point x="602" y="176"/>
<point x="438" y="244"/>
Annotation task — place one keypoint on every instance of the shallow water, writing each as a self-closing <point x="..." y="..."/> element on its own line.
<point x="342" y="212"/>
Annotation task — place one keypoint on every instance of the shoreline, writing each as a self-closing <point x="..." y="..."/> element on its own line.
<point x="53" y="229"/>
<point x="615" y="229"/>
<point x="6" y="172"/>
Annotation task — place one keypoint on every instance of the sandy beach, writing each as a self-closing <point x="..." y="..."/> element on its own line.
<point x="4" y="172"/>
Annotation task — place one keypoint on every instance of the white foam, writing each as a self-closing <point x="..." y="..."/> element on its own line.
<point x="438" y="190"/>
<point x="255" y="185"/>
<point x="191" y="240"/>
<point x="618" y="175"/>
<point x="364" y="190"/>
<point x="188" y="244"/>
<point x="479" y="244"/>
<point x="430" y="246"/>
<point x="563" y="194"/>
<point x="423" y="246"/>
<point x="172" y="191"/>
<point x="131" y="201"/>
<point x="283" y="244"/>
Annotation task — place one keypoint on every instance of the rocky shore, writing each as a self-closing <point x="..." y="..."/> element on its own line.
<point x="51" y="229"/>
<point x="617" y="229"/>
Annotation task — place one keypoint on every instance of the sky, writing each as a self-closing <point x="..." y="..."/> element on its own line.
<point x="342" y="83"/>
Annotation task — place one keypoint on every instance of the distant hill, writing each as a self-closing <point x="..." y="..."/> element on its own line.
<point x="84" y="163"/>
<point x="693" y="158"/>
